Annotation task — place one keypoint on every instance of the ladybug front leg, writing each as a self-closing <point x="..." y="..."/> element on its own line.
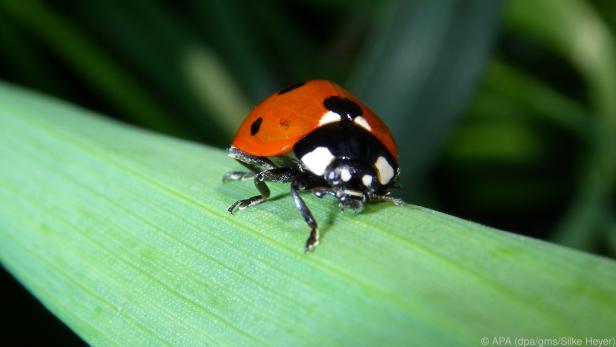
<point x="320" y="192"/>
<point x="300" y="183"/>
<point x="387" y="197"/>
<point x="278" y="175"/>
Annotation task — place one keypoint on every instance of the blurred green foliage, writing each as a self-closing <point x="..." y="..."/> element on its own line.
<point x="504" y="111"/>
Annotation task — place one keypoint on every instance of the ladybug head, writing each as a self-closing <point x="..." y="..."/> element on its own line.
<point x="352" y="181"/>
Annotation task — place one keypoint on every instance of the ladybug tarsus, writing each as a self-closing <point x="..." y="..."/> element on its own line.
<point x="313" y="241"/>
<point x="242" y="204"/>
<point x="237" y="176"/>
<point x="395" y="201"/>
<point x="320" y="192"/>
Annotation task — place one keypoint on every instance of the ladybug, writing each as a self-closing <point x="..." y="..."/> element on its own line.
<point x="316" y="136"/>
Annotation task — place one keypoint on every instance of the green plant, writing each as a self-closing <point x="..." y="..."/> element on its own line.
<point x="123" y="235"/>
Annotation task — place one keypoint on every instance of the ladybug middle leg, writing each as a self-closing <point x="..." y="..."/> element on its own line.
<point x="299" y="183"/>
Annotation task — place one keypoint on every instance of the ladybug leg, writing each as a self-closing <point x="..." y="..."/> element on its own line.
<point x="387" y="197"/>
<point x="255" y="164"/>
<point x="279" y="175"/>
<point x="237" y="176"/>
<point x="251" y="161"/>
<point x="320" y="192"/>
<point x="300" y="183"/>
<point x="242" y="204"/>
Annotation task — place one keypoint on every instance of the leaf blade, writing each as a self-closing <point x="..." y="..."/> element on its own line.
<point x="124" y="231"/>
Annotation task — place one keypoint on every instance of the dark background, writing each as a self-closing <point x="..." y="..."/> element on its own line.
<point x="504" y="111"/>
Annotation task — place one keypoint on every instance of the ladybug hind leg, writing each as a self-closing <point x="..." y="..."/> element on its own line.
<point x="254" y="163"/>
<point x="278" y="175"/>
<point x="257" y="165"/>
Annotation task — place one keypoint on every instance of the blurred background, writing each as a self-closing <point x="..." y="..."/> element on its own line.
<point x="504" y="111"/>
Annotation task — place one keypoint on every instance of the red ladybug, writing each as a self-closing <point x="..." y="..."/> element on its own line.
<point x="316" y="136"/>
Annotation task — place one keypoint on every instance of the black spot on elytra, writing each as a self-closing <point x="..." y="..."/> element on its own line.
<point x="255" y="126"/>
<point x="291" y="87"/>
<point x="347" y="109"/>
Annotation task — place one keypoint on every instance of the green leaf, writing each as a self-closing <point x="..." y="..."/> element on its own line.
<point x="123" y="234"/>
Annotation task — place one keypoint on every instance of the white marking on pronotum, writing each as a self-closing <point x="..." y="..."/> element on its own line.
<point x="362" y="122"/>
<point x="329" y="117"/>
<point x="317" y="160"/>
<point x="345" y="174"/>
<point x="384" y="170"/>
<point x="366" y="180"/>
